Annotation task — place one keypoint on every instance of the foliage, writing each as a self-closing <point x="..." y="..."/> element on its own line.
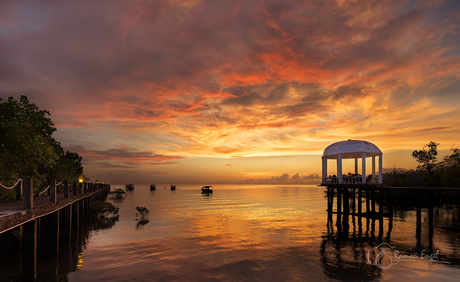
<point x="142" y="212"/>
<point x="451" y="168"/>
<point x="28" y="150"/>
<point x="428" y="160"/>
<point x="119" y="193"/>
<point x="430" y="172"/>
<point x="410" y="178"/>
<point x="103" y="209"/>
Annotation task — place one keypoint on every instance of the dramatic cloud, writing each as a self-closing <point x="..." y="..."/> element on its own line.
<point x="145" y="83"/>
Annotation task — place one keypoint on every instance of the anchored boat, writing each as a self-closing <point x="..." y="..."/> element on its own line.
<point x="173" y="187"/>
<point x="206" y="190"/>
<point x="129" y="186"/>
<point x="152" y="187"/>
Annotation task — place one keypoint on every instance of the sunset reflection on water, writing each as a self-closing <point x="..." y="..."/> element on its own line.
<point x="246" y="233"/>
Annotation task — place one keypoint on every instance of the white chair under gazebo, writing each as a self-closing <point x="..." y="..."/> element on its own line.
<point x="352" y="149"/>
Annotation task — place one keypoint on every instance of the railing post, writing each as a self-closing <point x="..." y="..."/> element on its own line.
<point x="66" y="188"/>
<point x="74" y="188"/>
<point x="27" y="194"/>
<point x="18" y="191"/>
<point x="53" y="196"/>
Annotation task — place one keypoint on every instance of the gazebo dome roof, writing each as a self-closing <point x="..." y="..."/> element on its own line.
<point x="351" y="149"/>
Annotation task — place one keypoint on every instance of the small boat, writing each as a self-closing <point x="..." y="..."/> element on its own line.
<point x="173" y="187"/>
<point x="152" y="187"/>
<point x="206" y="190"/>
<point x="129" y="186"/>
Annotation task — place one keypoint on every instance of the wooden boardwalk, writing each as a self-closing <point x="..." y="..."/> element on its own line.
<point x="13" y="213"/>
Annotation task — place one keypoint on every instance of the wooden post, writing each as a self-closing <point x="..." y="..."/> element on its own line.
<point x="81" y="209"/>
<point x="354" y="200"/>
<point x="29" y="250"/>
<point x="332" y="198"/>
<point x="346" y="211"/>
<point x="74" y="188"/>
<point x="381" y="202"/>
<point x="346" y="201"/>
<point x="66" y="226"/>
<point x="28" y="193"/>
<point x="430" y="210"/>
<point x="329" y="194"/>
<point x="373" y="200"/>
<point x="19" y="191"/>
<point x="430" y="223"/>
<point x="75" y="216"/>
<point x="419" y="210"/>
<point x="367" y="201"/>
<point x="54" y="231"/>
<point x="390" y="204"/>
<point x="418" y="229"/>
<point x="53" y="194"/>
<point x="360" y="190"/>
<point x="339" y="200"/>
<point x="66" y="188"/>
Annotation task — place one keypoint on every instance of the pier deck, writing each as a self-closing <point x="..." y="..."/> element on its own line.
<point x="13" y="213"/>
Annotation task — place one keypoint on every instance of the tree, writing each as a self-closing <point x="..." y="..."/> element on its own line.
<point x="25" y="134"/>
<point x="451" y="166"/>
<point x="68" y="165"/>
<point x="428" y="160"/>
<point x="27" y="148"/>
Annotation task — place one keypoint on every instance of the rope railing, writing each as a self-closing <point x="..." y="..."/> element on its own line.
<point x="39" y="194"/>
<point x="85" y="186"/>
<point x="8" y="188"/>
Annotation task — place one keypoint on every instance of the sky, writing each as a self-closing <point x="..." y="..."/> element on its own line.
<point x="205" y="92"/>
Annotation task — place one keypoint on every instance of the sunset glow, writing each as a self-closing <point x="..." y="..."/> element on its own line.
<point x="234" y="91"/>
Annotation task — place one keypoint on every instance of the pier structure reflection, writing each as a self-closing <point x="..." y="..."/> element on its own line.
<point x="49" y="247"/>
<point x="361" y="218"/>
<point x="378" y="202"/>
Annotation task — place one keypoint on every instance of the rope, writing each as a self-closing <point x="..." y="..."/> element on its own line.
<point x="60" y="183"/>
<point x="20" y="180"/>
<point x="44" y="190"/>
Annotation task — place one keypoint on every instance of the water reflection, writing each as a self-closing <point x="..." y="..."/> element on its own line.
<point x="269" y="234"/>
<point x="420" y="225"/>
<point x="140" y="224"/>
<point x="53" y="262"/>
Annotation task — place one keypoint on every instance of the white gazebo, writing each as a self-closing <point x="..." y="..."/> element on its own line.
<point x="352" y="149"/>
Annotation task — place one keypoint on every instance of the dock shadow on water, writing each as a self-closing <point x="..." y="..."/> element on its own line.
<point x="264" y="233"/>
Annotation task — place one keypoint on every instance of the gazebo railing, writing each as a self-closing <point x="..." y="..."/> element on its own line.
<point x="349" y="180"/>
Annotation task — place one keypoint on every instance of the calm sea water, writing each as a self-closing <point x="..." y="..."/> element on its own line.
<point x="258" y="233"/>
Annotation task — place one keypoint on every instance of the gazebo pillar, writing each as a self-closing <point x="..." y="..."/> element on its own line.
<point x="324" y="180"/>
<point x="373" y="169"/>
<point x="364" y="167"/>
<point x="356" y="165"/>
<point x="339" y="168"/>
<point x="380" y="168"/>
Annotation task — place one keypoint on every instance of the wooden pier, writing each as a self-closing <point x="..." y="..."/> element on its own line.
<point x="46" y="219"/>
<point x="376" y="202"/>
